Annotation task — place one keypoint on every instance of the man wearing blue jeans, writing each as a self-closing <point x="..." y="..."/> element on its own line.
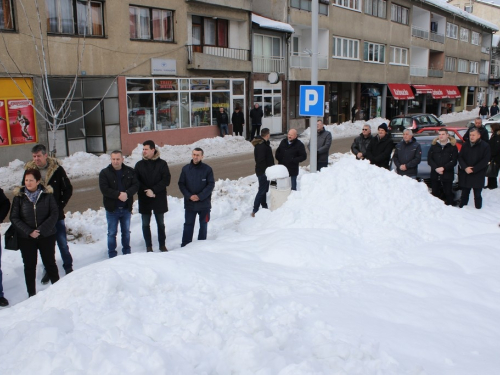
<point x="223" y="122"/>
<point x="4" y="210"/>
<point x="263" y="154"/>
<point x="196" y="184"/>
<point x="118" y="184"/>
<point x="54" y="175"/>
<point x="154" y="177"/>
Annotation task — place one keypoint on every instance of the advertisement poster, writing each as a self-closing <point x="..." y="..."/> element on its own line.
<point x="21" y="121"/>
<point x="4" y="134"/>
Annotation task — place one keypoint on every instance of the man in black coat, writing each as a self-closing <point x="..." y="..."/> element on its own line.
<point x="256" y="115"/>
<point x="223" y="122"/>
<point x="473" y="160"/>
<point x="495" y="153"/>
<point x="407" y="155"/>
<point x="55" y="176"/>
<point x="494" y="109"/>
<point x="154" y="177"/>
<point x="196" y="184"/>
<point x="442" y="158"/>
<point x="238" y="120"/>
<point x="118" y="184"/>
<point x="380" y="148"/>
<point x="484" y="112"/>
<point x="478" y="124"/>
<point x="4" y="210"/>
<point x="290" y="153"/>
<point x="361" y="142"/>
<point x="263" y="154"/>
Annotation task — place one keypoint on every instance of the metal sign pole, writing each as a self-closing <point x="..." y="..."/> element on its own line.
<point x="314" y="81"/>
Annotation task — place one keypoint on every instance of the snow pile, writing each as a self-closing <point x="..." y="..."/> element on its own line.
<point x="360" y="272"/>
<point x="460" y="116"/>
<point x="276" y="171"/>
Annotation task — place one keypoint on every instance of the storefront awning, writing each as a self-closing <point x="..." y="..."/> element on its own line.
<point x="401" y="91"/>
<point x="423" y="89"/>
<point x="438" y="92"/>
<point x="452" y="92"/>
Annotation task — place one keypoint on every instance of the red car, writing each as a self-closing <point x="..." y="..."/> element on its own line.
<point x="456" y="132"/>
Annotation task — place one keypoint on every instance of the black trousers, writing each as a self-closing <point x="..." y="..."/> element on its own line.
<point x="478" y="200"/>
<point x="443" y="189"/>
<point x="47" y="248"/>
<point x="492" y="182"/>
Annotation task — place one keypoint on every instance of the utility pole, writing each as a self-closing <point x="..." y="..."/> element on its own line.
<point x="313" y="145"/>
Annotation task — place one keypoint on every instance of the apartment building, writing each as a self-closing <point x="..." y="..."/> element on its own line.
<point x="136" y="70"/>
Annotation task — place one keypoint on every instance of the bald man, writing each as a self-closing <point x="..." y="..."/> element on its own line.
<point x="290" y="153"/>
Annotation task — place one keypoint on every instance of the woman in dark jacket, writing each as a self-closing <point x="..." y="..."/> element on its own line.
<point x="495" y="153"/>
<point x="238" y="120"/>
<point x="34" y="214"/>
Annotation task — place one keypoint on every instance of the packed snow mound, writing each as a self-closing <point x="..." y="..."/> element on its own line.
<point x="276" y="171"/>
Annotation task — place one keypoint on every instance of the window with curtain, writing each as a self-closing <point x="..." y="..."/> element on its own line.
<point x="64" y="15"/>
<point x="151" y="24"/>
<point x="6" y="15"/>
<point x="90" y="18"/>
<point x="60" y="18"/>
<point x="215" y="31"/>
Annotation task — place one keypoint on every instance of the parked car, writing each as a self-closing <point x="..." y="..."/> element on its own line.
<point x="414" y="121"/>
<point x="424" y="170"/>
<point x="457" y="132"/>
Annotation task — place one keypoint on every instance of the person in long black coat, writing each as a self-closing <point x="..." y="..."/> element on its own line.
<point x="478" y="124"/>
<point x="380" y="148"/>
<point x="263" y="154"/>
<point x="238" y="120"/>
<point x="473" y="160"/>
<point x="4" y="210"/>
<point x="290" y="153"/>
<point x="154" y="177"/>
<point x="495" y="153"/>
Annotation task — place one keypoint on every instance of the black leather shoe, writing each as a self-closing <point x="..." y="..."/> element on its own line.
<point x="163" y="249"/>
<point x="149" y="249"/>
<point x="45" y="278"/>
<point x="3" y="302"/>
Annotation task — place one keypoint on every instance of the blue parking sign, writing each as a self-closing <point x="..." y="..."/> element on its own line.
<point x="312" y="100"/>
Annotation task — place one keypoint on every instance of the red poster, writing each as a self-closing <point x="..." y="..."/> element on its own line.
<point x="4" y="134"/>
<point x="21" y="121"/>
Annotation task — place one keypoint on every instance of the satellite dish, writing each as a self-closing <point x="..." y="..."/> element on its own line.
<point x="273" y="77"/>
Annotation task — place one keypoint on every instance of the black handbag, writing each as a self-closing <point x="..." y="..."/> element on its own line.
<point x="11" y="242"/>
<point x="492" y="170"/>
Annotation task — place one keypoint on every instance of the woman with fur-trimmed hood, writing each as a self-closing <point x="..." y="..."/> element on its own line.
<point x="34" y="214"/>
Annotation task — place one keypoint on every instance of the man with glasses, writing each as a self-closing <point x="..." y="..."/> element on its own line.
<point x="361" y="142"/>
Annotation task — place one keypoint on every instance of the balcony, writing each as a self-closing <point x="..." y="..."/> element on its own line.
<point x="419" y="32"/>
<point x="303" y="60"/>
<point x="435" y="73"/>
<point x="218" y="58"/>
<point x="263" y="64"/>
<point x="418" y="71"/>
<point x="436" y="37"/>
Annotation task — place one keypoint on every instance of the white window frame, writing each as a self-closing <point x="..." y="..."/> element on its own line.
<point x="401" y="52"/>
<point x="376" y="52"/>
<point x="348" y="4"/>
<point x="349" y="48"/>
<point x="301" y="4"/>
<point x="400" y="14"/>
<point x="450" y="64"/>
<point x="475" y="38"/>
<point x="462" y="66"/>
<point x="464" y="34"/>
<point x="376" y="8"/>
<point x="473" y="67"/>
<point x="451" y="30"/>
<point x="272" y="39"/>
<point x="144" y="16"/>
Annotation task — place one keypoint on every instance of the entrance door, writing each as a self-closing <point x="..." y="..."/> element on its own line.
<point x="270" y="100"/>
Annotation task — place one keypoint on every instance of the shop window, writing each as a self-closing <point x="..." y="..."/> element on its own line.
<point x="151" y="24"/>
<point x="6" y="15"/>
<point x="167" y="111"/>
<point x="75" y="17"/>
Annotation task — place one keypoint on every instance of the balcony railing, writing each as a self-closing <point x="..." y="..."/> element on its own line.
<point x="230" y="53"/>
<point x="485" y="50"/>
<point x="435" y="73"/>
<point x="303" y="60"/>
<point x="419" y="32"/>
<point x="263" y="64"/>
<point x="436" y="37"/>
<point x="418" y="71"/>
<point x="483" y="77"/>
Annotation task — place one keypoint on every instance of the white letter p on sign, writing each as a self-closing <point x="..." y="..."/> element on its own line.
<point x="311" y="98"/>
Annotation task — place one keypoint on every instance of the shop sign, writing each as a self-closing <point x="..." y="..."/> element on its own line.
<point x="164" y="66"/>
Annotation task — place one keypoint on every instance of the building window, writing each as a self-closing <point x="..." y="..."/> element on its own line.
<point x="376" y="8"/>
<point x="399" y="14"/>
<point x="151" y="24"/>
<point x="449" y="64"/>
<point x="476" y="38"/>
<point x="464" y="34"/>
<point x="451" y="30"/>
<point x="474" y="67"/>
<point x="462" y="66"/>
<point x="350" y="4"/>
<point x="68" y="16"/>
<point x="399" y="56"/>
<point x="307" y="5"/>
<point x="267" y="46"/>
<point x="374" y="52"/>
<point x="6" y="15"/>
<point x="344" y="48"/>
<point x="468" y="8"/>
<point x="210" y="32"/>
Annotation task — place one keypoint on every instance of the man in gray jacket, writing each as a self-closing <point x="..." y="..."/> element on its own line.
<point x="361" y="142"/>
<point x="324" y="143"/>
<point x="407" y="155"/>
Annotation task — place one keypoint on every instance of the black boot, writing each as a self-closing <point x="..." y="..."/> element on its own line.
<point x="45" y="279"/>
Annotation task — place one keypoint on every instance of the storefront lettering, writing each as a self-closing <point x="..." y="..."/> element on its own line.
<point x="400" y="92"/>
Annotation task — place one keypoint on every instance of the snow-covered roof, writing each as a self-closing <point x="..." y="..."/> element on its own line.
<point x="461" y="13"/>
<point x="267" y="23"/>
